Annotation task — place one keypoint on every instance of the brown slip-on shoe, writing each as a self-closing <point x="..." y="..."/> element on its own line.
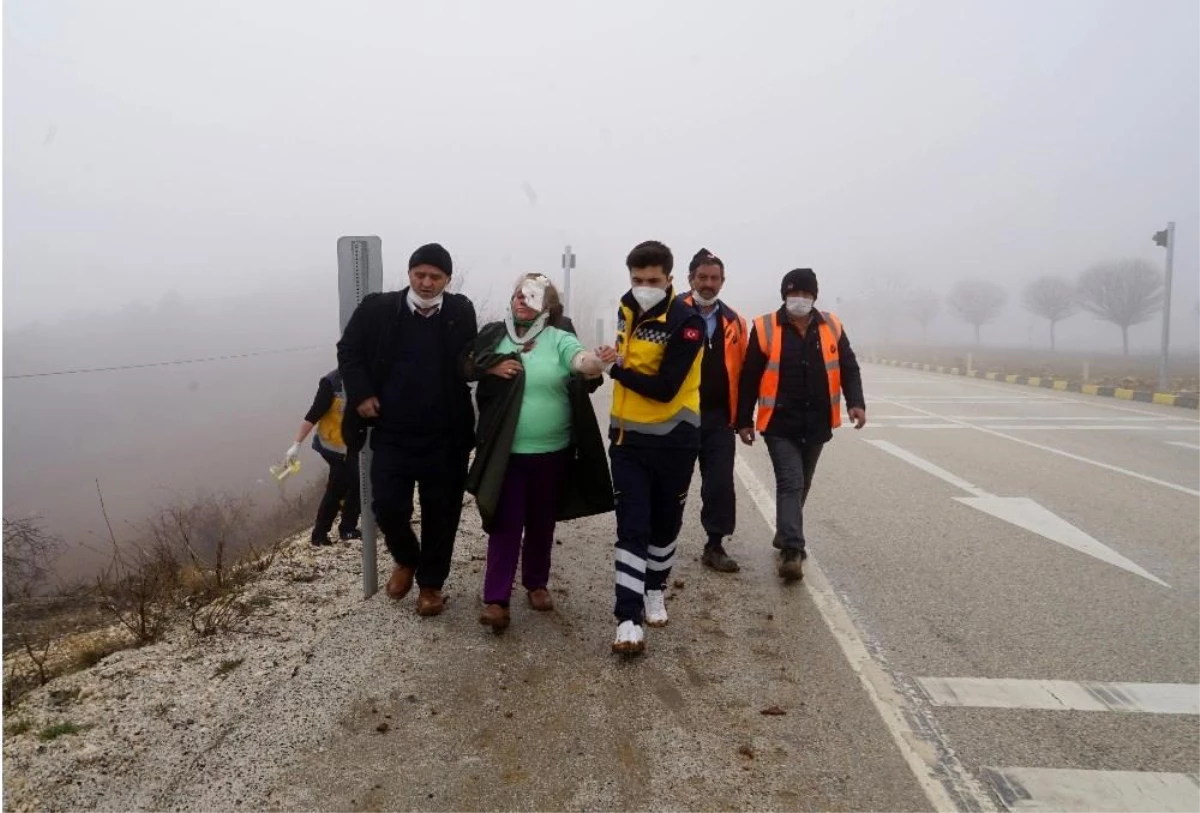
<point x="400" y="582"/>
<point x="540" y="600"/>
<point x="496" y="617"/>
<point x="430" y="602"/>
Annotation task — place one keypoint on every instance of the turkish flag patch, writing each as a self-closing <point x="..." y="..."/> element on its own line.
<point x="691" y="334"/>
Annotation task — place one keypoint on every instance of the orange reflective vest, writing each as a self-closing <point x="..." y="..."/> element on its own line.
<point x="770" y="341"/>
<point x="735" y="333"/>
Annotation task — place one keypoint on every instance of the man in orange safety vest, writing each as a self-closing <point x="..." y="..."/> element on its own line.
<point x="798" y="368"/>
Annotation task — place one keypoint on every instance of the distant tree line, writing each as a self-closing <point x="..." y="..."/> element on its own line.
<point x="1123" y="292"/>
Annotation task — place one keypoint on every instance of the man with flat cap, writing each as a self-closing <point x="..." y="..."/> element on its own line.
<point x="798" y="366"/>
<point x="402" y="358"/>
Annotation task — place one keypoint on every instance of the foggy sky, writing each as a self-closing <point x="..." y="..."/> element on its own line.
<point x="208" y="148"/>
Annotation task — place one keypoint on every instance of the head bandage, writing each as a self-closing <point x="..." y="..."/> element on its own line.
<point x="534" y="291"/>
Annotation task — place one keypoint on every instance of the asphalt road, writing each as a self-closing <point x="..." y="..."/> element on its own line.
<point x="1000" y="613"/>
<point x="941" y="588"/>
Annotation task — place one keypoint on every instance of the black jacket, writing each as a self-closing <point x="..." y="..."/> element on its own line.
<point x="368" y="346"/>
<point x="588" y="487"/>
<point x="803" y="409"/>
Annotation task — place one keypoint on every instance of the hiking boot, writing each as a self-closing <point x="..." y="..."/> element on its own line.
<point x="430" y="602"/>
<point x="630" y="640"/>
<point x="321" y="541"/>
<point x="400" y="582"/>
<point x="353" y="533"/>
<point x="791" y="566"/>
<point x="656" y="608"/>
<point x="715" y="558"/>
<point x="540" y="600"/>
<point x="496" y="617"/>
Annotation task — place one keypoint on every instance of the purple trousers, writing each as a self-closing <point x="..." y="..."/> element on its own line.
<point x="528" y="503"/>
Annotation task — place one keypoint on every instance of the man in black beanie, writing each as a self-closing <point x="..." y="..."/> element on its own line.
<point x="724" y="353"/>
<point x="798" y="366"/>
<point x="402" y="358"/>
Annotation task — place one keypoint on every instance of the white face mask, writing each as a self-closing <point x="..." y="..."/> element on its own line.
<point x="702" y="301"/>
<point x="647" y="297"/>
<point x="424" y="304"/>
<point x="799" y="306"/>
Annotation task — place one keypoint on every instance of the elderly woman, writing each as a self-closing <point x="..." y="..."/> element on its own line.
<point x="540" y="455"/>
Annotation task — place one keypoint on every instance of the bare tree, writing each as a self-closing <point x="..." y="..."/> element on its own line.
<point x="924" y="307"/>
<point x="1125" y="292"/>
<point x="1052" y="298"/>
<point x="976" y="302"/>
<point x="29" y="554"/>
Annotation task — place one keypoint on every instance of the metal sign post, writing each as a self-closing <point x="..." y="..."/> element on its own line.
<point x="360" y="272"/>
<point x="568" y="262"/>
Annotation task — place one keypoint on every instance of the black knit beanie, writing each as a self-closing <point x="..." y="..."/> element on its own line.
<point x="432" y="254"/>
<point x="704" y="257"/>
<point x="799" y="279"/>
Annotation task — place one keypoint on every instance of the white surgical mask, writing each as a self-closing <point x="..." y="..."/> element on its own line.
<point x="420" y="302"/>
<point x="647" y="297"/>
<point x="702" y="301"/>
<point x="799" y="306"/>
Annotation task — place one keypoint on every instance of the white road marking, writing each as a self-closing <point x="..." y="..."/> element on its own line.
<point x="1063" y="695"/>
<point x="1024" y="513"/>
<point x="947" y="785"/>
<point x="927" y="467"/>
<point x="1063" y="789"/>
<point x="1058" y="396"/>
<point x="1021" y="427"/>
<point x="878" y="425"/>
<point x="1077" y="418"/>
<point x="1069" y="455"/>
<point x="1195" y="446"/>
<point x="969" y="399"/>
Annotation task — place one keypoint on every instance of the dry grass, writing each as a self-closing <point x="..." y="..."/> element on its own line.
<point x="190" y="562"/>
<point x="58" y="730"/>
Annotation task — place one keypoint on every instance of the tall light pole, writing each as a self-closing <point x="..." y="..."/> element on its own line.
<point x="568" y="262"/>
<point x="1166" y="239"/>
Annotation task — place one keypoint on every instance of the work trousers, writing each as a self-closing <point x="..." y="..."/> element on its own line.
<point x="795" y="463"/>
<point x="341" y="494"/>
<point x="523" y="527"/>
<point x="718" y="509"/>
<point x="439" y="474"/>
<point x="651" y="487"/>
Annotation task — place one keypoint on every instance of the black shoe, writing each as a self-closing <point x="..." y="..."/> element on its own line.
<point x="353" y="533"/>
<point x="715" y="558"/>
<point x="791" y="566"/>
<point x="321" y="541"/>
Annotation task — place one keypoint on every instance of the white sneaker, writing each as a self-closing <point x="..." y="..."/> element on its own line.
<point x="656" y="608"/>
<point x="631" y="639"/>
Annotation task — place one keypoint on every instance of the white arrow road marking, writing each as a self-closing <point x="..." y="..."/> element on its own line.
<point x="1063" y="695"/>
<point x="1182" y="444"/>
<point x="1024" y="513"/>
<point x="1061" y="789"/>
<point x="1061" y="453"/>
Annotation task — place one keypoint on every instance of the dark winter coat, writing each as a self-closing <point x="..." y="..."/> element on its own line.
<point x="368" y="348"/>
<point x="588" y="489"/>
